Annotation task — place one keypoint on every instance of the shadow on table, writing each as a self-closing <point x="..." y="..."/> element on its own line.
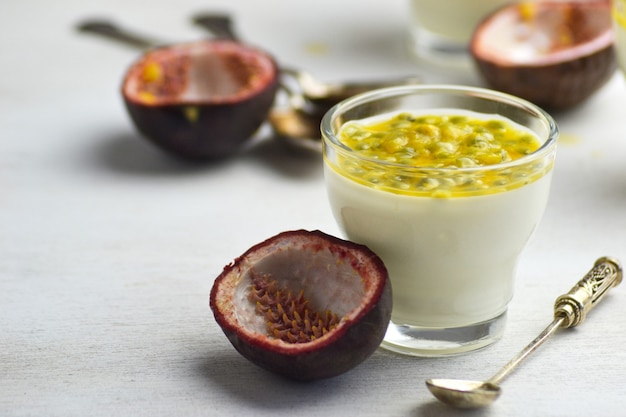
<point x="246" y="383"/>
<point x="284" y="159"/>
<point x="128" y="153"/>
<point x="437" y="409"/>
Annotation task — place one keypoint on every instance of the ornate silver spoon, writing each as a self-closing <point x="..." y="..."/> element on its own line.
<point x="569" y="311"/>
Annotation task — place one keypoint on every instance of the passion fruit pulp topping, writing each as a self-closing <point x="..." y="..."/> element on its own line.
<point x="289" y="317"/>
<point x="439" y="140"/>
<point x="455" y="143"/>
<point x="304" y="304"/>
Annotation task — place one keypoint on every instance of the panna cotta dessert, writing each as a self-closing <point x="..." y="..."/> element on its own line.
<point x="454" y="20"/>
<point x="448" y="198"/>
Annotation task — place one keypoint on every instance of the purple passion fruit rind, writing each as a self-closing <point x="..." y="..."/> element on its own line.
<point x="555" y="54"/>
<point x="202" y="100"/>
<point x="327" y="275"/>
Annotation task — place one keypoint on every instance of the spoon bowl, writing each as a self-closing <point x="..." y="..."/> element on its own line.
<point x="324" y="95"/>
<point x="463" y="393"/>
<point x="297" y="128"/>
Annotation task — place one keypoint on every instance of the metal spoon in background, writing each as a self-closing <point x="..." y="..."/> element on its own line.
<point x="112" y="31"/>
<point x="296" y="124"/>
<point x="569" y="311"/>
<point x="325" y="95"/>
<point x="320" y="94"/>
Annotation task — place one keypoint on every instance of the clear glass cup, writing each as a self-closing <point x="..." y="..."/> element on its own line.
<point x="440" y="30"/>
<point x="450" y="242"/>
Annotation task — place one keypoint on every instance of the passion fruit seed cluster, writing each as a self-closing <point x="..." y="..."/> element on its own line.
<point x="435" y="141"/>
<point x="439" y="141"/>
<point x="163" y="79"/>
<point x="288" y="317"/>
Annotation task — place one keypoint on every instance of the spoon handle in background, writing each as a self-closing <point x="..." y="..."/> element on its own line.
<point x="571" y="309"/>
<point x="110" y="30"/>
<point x="220" y="25"/>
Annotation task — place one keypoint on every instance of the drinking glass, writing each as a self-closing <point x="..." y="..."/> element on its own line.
<point x="440" y="30"/>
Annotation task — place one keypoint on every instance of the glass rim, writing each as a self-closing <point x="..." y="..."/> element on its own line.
<point x="329" y="138"/>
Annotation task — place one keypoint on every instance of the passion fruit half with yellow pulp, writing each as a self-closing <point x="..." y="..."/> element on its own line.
<point x="553" y="53"/>
<point x="304" y="304"/>
<point x="201" y="100"/>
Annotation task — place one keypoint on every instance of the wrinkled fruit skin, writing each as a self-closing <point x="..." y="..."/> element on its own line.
<point x="339" y="351"/>
<point x="201" y="129"/>
<point x="218" y="132"/>
<point x="576" y="80"/>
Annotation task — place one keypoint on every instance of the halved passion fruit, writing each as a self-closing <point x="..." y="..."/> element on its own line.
<point x="304" y="304"/>
<point x="201" y="100"/>
<point x="553" y="53"/>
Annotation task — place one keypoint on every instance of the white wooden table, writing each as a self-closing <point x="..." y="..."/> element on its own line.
<point x="108" y="249"/>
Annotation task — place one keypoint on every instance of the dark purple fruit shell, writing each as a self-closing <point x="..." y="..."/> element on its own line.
<point x="361" y="329"/>
<point x="206" y="126"/>
<point x="559" y="79"/>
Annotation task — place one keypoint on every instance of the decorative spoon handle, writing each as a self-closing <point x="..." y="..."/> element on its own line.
<point x="574" y="306"/>
<point x="220" y="25"/>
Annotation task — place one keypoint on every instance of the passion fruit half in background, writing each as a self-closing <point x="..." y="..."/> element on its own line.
<point x="304" y="304"/>
<point x="553" y="53"/>
<point x="201" y="100"/>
